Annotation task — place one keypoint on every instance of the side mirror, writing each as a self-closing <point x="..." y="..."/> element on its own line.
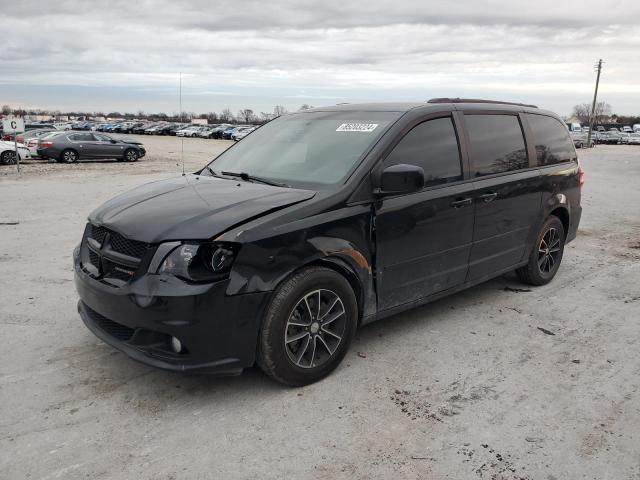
<point x="114" y="141"/>
<point x="401" y="178"/>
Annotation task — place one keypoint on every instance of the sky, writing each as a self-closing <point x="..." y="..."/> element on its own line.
<point x="127" y="55"/>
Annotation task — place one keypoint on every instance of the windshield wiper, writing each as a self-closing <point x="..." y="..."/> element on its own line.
<point x="251" y="178"/>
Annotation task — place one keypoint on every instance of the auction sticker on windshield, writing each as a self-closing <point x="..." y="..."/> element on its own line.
<point x="357" y="127"/>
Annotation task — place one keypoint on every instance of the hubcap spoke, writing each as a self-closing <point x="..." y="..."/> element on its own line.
<point x="333" y="318"/>
<point x="321" y="340"/>
<point x="296" y="337"/>
<point x="303" y="350"/>
<point x="326" y="330"/>
<point x="313" y="352"/>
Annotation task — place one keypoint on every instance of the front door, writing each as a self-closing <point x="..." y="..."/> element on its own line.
<point x="423" y="239"/>
<point x="106" y="148"/>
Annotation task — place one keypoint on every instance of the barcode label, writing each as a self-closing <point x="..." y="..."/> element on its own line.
<point x="357" y="127"/>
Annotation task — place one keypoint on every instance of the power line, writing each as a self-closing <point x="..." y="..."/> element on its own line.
<point x="598" y="68"/>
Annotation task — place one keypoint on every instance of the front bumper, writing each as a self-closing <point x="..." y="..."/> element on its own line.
<point x="219" y="332"/>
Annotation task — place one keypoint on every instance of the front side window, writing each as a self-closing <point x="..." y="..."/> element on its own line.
<point x="551" y="140"/>
<point x="496" y="144"/>
<point x="101" y="138"/>
<point x="309" y="149"/>
<point x="432" y="145"/>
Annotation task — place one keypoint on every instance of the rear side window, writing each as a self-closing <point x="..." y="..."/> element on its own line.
<point x="432" y="145"/>
<point x="81" y="137"/>
<point x="551" y="139"/>
<point x="496" y="144"/>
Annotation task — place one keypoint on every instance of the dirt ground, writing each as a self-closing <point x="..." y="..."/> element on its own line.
<point x="467" y="387"/>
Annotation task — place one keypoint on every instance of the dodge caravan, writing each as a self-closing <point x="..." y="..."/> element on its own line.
<point x="322" y="221"/>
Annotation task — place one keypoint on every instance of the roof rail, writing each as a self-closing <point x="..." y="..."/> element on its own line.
<point x="476" y="100"/>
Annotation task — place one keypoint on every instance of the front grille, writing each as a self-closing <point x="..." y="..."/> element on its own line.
<point x="94" y="258"/>
<point x="106" y="265"/>
<point x="133" y="248"/>
<point x="98" y="233"/>
<point x="121" y="332"/>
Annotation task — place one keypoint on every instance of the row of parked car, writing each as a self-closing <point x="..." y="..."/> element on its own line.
<point x="609" y="137"/>
<point x="223" y="130"/>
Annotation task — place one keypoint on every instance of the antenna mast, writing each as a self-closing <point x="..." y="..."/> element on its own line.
<point x="181" y="138"/>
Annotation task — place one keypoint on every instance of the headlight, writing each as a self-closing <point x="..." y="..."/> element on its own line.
<point x="200" y="262"/>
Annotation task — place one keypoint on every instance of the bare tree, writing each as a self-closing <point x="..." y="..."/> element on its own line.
<point x="6" y="109"/>
<point x="602" y="112"/>
<point x="226" y="115"/>
<point x="278" y="110"/>
<point x="305" y="106"/>
<point x="246" y="115"/>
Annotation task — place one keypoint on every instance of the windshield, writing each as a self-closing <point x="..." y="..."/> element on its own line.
<point x="313" y="149"/>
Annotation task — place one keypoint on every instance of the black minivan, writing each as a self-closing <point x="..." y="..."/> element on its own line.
<point x="322" y="221"/>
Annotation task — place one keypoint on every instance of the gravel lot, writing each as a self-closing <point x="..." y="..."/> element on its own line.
<point x="467" y="387"/>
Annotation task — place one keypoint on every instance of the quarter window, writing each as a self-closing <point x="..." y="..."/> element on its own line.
<point x="496" y="144"/>
<point x="551" y="139"/>
<point x="432" y="145"/>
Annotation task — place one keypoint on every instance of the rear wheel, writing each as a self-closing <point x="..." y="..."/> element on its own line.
<point x="69" y="156"/>
<point x="308" y="327"/>
<point x="8" y="157"/>
<point x="130" y="155"/>
<point x="546" y="255"/>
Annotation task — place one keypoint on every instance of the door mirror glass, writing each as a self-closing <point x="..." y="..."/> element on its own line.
<point x="401" y="178"/>
<point x="113" y="141"/>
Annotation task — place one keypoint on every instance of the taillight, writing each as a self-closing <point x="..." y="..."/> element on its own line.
<point x="20" y="139"/>
<point x="45" y="144"/>
<point x="32" y="143"/>
<point x="6" y="136"/>
<point x="580" y="177"/>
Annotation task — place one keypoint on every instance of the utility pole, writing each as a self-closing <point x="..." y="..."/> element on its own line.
<point x="593" y="106"/>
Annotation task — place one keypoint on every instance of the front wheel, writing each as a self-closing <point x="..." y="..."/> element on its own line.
<point x="308" y="327"/>
<point x="131" y="155"/>
<point x="546" y="255"/>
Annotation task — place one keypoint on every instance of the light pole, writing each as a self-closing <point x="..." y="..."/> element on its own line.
<point x="593" y="105"/>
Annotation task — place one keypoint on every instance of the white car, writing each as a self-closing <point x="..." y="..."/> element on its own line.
<point x="634" y="139"/>
<point x="8" y="152"/>
<point x="242" y="132"/>
<point x="188" y="132"/>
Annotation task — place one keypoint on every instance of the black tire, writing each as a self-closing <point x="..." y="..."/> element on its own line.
<point x="288" y="315"/>
<point x="546" y="254"/>
<point x="580" y="145"/>
<point x="68" y="156"/>
<point x="130" y="155"/>
<point x="8" y="157"/>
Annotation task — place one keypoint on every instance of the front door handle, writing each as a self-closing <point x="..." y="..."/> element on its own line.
<point x="461" y="202"/>
<point x="488" y="197"/>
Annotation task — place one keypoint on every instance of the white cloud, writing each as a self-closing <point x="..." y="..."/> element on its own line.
<point x="346" y="51"/>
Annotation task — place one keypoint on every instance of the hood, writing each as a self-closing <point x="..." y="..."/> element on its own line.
<point x="131" y="141"/>
<point x="191" y="207"/>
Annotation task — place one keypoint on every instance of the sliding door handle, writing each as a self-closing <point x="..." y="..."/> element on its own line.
<point x="488" y="197"/>
<point x="461" y="202"/>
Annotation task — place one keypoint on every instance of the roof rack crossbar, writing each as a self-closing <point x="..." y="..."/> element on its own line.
<point x="476" y="100"/>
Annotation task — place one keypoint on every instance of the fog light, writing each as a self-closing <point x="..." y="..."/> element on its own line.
<point x="176" y="345"/>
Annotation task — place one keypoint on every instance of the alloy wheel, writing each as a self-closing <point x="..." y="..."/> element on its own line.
<point x="69" y="156"/>
<point x="315" y="328"/>
<point x="549" y="251"/>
